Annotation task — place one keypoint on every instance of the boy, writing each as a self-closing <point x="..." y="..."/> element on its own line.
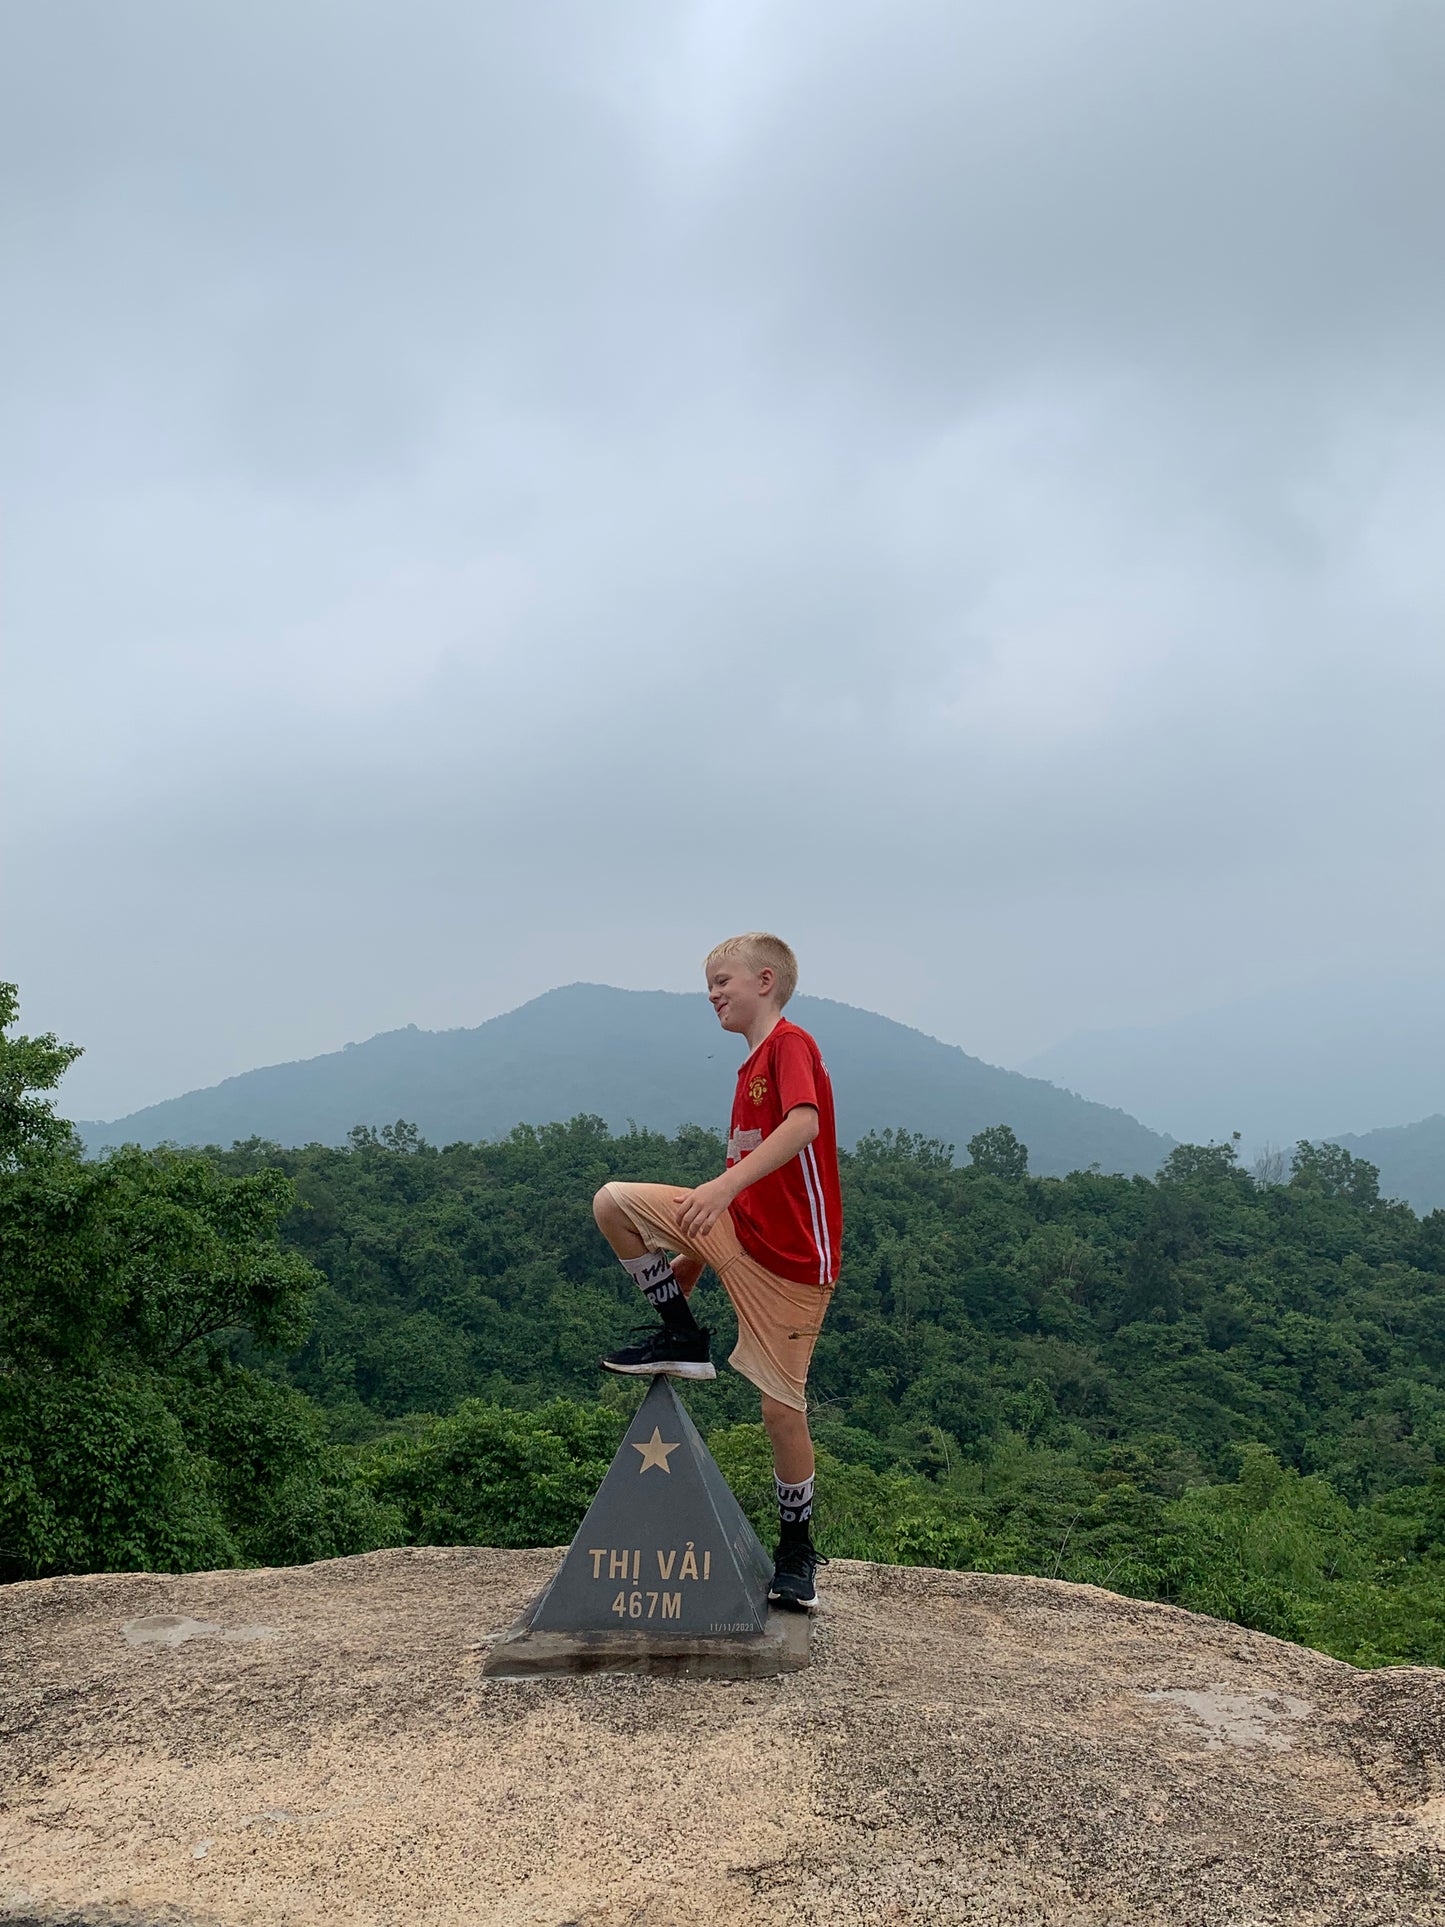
<point x="770" y="1226"/>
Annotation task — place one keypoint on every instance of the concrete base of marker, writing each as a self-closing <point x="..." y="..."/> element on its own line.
<point x="783" y="1646"/>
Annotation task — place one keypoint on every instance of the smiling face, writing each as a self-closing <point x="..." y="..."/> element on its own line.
<point x="738" y="993"/>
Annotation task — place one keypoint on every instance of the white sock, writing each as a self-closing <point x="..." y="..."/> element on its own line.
<point x="795" y="1502"/>
<point x="654" y="1273"/>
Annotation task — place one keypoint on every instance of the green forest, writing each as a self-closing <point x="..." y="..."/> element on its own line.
<point x="1215" y="1388"/>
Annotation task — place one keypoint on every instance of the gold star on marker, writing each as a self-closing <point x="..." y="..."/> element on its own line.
<point x="654" y="1452"/>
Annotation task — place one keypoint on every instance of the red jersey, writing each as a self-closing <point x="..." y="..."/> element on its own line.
<point x="792" y="1220"/>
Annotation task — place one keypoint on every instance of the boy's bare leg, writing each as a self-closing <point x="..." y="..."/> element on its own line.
<point x="792" y="1443"/>
<point x="615" y="1228"/>
<point x="680" y="1348"/>
<point x="627" y="1243"/>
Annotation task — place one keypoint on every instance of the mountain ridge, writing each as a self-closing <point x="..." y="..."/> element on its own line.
<point x="1409" y="1157"/>
<point x="1310" y="1061"/>
<point x="653" y="1057"/>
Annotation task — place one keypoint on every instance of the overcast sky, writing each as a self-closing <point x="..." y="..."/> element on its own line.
<point x="498" y="495"/>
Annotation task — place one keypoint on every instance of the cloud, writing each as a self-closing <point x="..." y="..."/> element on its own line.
<point x="498" y="496"/>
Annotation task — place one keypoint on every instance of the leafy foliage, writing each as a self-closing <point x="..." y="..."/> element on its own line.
<point x="127" y="1439"/>
<point x="1081" y="1313"/>
<point x="486" y="1476"/>
<point x="998" y="1152"/>
<point x="29" y="1066"/>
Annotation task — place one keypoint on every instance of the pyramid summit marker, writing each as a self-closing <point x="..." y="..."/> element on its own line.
<point x="665" y="1573"/>
<point x="664" y="1544"/>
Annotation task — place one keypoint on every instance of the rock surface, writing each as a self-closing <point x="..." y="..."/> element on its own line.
<point x="316" y="1744"/>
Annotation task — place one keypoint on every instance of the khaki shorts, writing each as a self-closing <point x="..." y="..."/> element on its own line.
<point x="778" y="1321"/>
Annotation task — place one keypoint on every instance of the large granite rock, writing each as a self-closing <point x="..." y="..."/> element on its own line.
<point x="317" y="1744"/>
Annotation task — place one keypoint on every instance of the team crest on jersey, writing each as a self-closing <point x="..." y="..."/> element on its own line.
<point x="758" y="1089"/>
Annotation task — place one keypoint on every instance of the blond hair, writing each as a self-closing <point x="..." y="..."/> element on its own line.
<point x="760" y="951"/>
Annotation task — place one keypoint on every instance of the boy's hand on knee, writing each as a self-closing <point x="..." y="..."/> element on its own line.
<point x="698" y="1211"/>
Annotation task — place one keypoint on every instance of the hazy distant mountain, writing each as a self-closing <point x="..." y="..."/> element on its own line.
<point x="1307" y="1063"/>
<point x="1411" y="1158"/>
<point x="653" y="1056"/>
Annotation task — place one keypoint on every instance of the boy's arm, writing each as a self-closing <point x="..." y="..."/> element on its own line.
<point x="700" y="1210"/>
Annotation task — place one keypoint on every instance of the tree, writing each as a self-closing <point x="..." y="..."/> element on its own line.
<point x="1269" y="1166"/>
<point x="1201" y="1163"/>
<point x="1330" y="1171"/>
<point x="120" y="1281"/>
<point x="28" y="1066"/>
<point x="998" y="1153"/>
<point x="906" y="1147"/>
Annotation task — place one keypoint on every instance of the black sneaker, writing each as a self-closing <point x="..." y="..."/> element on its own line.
<point x="676" y="1354"/>
<point x="794" y="1568"/>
